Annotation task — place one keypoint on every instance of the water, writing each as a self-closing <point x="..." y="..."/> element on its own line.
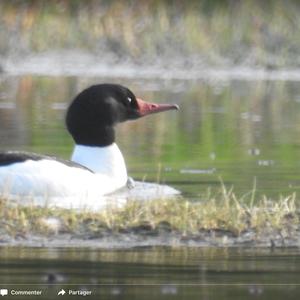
<point x="164" y="273"/>
<point x="240" y="132"/>
<point x="244" y="133"/>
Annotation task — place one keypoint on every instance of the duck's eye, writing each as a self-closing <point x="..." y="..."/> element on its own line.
<point x="129" y="99"/>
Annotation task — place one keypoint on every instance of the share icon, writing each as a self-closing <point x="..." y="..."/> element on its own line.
<point x="61" y="292"/>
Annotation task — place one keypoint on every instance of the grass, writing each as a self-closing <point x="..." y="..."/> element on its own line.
<point x="222" y="212"/>
<point x="212" y="32"/>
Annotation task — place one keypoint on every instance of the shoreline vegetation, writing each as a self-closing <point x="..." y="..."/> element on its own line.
<point x="170" y="34"/>
<point x="219" y="220"/>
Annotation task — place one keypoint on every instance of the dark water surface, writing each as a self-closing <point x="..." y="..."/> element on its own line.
<point x="242" y="132"/>
<point x="161" y="273"/>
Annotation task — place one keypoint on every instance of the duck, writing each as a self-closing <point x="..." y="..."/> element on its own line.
<point x="96" y="167"/>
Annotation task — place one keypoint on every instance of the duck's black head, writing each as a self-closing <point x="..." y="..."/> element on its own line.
<point x="92" y="115"/>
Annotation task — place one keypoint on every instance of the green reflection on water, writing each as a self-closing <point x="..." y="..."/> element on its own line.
<point x="237" y="130"/>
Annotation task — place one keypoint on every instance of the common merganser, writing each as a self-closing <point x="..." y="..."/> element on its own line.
<point x="97" y="165"/>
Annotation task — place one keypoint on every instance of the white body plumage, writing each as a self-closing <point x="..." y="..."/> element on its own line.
<point x="51" y="179"/>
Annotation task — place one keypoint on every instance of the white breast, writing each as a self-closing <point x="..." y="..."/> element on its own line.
<point x="51" y="178"/>
<point x="54" y="181"/>
<point x="102" y="160"/>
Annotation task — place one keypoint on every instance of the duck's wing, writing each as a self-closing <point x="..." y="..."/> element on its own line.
<point x="11" y="157"/>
